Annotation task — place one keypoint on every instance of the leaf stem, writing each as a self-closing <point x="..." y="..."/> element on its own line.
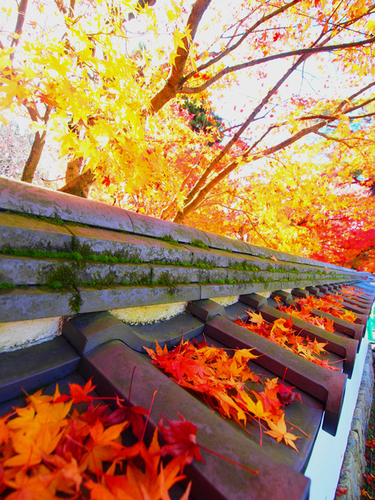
<point x="228" y="459"/>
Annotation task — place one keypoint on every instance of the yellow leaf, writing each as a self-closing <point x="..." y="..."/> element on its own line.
<point x="279" y="432"/>
<point x="255" y="318"/>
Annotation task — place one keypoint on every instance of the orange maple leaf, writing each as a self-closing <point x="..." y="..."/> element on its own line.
<point x="255" y="318"/>
<point x="279" y="432"/>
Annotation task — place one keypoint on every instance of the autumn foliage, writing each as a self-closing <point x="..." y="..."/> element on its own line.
<point x="220" y="380"/>
<point x="282" y="332"/>
<point x="331" y="304"/>
<point x="295" y="148"/>
<point x="48" y="451"/>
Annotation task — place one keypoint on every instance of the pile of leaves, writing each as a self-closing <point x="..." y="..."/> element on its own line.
<point x="48" y="451"/>
<point x="220" y="381"/>
<point x="281" y="332"/>
<point x="351" y="290"/>
<point x="331" y="304"/>
<point x="305" y="313"/>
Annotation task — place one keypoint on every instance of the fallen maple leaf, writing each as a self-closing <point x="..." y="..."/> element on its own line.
<point x="255" y="318"/>
<point x="45" y="453"/>
<point x="132" y="414"/>
<point x="80" y="394"/>
<point x="279" y="432"/>
<point x="286" y="395"/>
<point x="181" y="439"/>
<point x="220" y="380"/>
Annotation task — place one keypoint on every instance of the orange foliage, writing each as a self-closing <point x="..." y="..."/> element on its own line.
<point x="220" y="381"/>
<point x="281" y="332"/>
<point x="46" y="452"/>
<point x="330" y="304"/>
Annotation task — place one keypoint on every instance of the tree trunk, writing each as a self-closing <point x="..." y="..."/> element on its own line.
<point x="38" y="144"/>
<point x="73" y="169"/>
<point x="80" y="185"/>
<point x="34" y="157"/>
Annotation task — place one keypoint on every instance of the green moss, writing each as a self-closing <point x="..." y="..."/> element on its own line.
<point x="294" y="270"/>
<point x="6" y="286"/>
<point x="203" y="265"/>
<point x="89" y="283"/>
<point x="168" y="238"/>
<point x="64" y="276"/>
<point x="51" y="220"/>
<point x="42" y="254"/>
<point x="103" y="258"/>
<point x="198" y="243"/>
<point x="245" y="266"/>
<point x="140" y="282"/>
<point x="75" y="303"/>
<point x="165" y="279"/>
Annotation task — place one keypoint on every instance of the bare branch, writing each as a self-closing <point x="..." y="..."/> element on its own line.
<point x="255" y="62"/>
<point x="228" y="50"/>
<point x="335" y="139"/>
<point x="19" y="25"/>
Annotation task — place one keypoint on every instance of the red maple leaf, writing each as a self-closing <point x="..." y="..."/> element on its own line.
<point x="106" y="181"/>
<point x="181" y="439"/>
<point x="286" y="394"/>
<point x="80" y="394"/>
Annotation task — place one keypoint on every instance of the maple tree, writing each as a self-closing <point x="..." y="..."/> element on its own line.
<point x="190" y="65"/>
<point x="298" y="206"/>
<point x="118" y="114"/>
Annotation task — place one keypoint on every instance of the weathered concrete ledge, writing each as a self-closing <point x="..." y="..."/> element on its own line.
<point x="33" y="302"/>
<point x="61" y="255"/>
<point x="20" y="197"/>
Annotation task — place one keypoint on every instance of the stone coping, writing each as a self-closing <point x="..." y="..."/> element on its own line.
<point x="20" y="197"/>
<point x="33" y="302"/>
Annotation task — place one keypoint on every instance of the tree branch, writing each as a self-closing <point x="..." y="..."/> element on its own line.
<point x="211" y="167"/>
<point x="170" y="88"/>
<point x="255" y="62"/>
<point x="335" y="139"/>
<point x="359" y="117"/>
<point x="19" y="25"/>
<point x="198" y="193"/>
<point x="228" y="50"/>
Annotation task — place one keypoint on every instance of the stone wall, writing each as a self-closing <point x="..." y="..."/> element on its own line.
<point x="354" y="464"/>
